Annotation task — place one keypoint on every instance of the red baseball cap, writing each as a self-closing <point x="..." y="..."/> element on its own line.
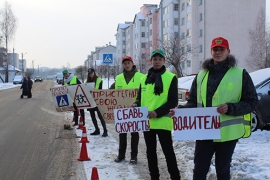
<point x="220" y="42"/>
<point x="127" y="58"/>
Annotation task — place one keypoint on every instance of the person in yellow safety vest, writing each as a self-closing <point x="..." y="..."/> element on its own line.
<point x="69" y="79"/>
<point x="158" y="91"/>
<point x="129" y="79"/>
<point x="92" y="77"/>
<point x="223" y="85"/>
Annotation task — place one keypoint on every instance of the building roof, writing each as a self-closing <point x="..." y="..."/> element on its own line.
<point x="10" y="68"/>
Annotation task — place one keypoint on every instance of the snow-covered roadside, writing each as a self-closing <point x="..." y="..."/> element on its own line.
<point x="251" y="160"/>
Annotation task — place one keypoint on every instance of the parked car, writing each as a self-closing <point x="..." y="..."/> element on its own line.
<point x="59" y="81"/>
<point x="17" y="79"/>
<point x="261" y="116"/>
<point x="184" y="85"/>
<point x="59" y="77"/>
<point x="38" y="79"/>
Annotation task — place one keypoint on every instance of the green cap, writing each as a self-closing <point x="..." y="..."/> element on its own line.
<point x="65" y="72"/>
<point x="157" y="51"/>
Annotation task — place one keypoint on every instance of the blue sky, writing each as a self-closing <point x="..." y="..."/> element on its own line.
<point x="55" y="33"/>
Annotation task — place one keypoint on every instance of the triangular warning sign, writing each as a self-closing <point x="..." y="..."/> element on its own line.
<point x="80" y="98"/>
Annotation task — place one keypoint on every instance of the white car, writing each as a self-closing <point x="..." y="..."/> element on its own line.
<point x="184" y="85"/>
<point x="17" y="79"/>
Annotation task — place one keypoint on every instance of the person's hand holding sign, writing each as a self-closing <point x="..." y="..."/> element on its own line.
<point x="222" y="109"/>
<point x="172" y="112"/>
<point x="152" y="114"/>
<point x="134" y="105"/>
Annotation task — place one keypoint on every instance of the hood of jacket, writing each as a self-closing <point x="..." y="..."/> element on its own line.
<point x="229" y="62"/>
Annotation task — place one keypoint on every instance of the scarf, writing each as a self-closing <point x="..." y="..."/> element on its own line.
<point x="154" y="77"/>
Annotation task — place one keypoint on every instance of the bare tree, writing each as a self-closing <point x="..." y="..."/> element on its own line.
<point x="81" y="72"/>
<point x="8" y="24"/>
<point x="259" y="54"/>
<point x="177" y="51"/>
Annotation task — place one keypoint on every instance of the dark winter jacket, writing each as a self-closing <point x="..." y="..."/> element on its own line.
<point x="30" y="83"/>
<point x="172" y="94"/>
<point x="248" y="99"/>
<point x="128" y="75"/>
<point x="24" y="87"/>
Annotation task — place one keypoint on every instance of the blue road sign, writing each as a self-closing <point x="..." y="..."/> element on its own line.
<point x="107" y="58"/>
<point x="62" y="100"/>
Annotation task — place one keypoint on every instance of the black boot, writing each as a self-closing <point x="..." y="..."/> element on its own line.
<point x="96" y="132"/>
<point x="105" y="133"/>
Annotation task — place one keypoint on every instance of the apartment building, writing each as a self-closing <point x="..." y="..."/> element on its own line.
<point x="196" y="22"/>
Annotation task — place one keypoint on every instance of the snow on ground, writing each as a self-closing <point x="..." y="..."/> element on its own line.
<point x="251" y="159"/>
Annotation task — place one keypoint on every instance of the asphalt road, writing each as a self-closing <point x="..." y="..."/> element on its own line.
<point x="33" y="142"/>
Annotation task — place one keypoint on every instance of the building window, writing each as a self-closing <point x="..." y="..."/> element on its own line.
<point x="143" y="56"/>
<point x="182" y="50"/>
<point x="189" y="32"/>
<point x="201" y="33"/>
<point x="183" y="21"/>
<point x="166" y="10"/>
<point x="200" y="48"/>
<point x="150" y="32"/>
<point x="183" y="65"/>
<point x="188" y="2"/>
<point x="176" y="21"/>
<point x="188" y="63"/>
<point x="143" y="23"/>
<point x="124" y="51"/>
<point x="189" y="17"/>
<point x="175" y="7"/>
<point x="176" y="35"/>
<point x="200" y="17"/>
<point x="123" y="34"/>
<point x="188" y="48"/>
<point x="183" y="6"/>
<point x="200" y="2"/>
<point x="143" y="34"/>
<point x="150" y="21"/>
<point x="143" y="45"/>
<point x="182" y="35"/>
<point x="124" y="42"/>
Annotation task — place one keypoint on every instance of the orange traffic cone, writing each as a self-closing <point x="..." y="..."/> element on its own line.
<point x="84" y="154"/>
<point x="80" y="123"/>
<point x="94" y="175"/>
<point x="84" y="135"/>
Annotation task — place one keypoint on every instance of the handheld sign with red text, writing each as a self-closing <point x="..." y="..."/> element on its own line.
<point x="129" y="120"/>
<point x="81" y="95"/>
<point x="62" y="99"/>
<point x="196" y="124"/>
<point x="110" y="99"/>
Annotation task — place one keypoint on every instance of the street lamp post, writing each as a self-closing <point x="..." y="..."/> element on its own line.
<point x="23" y="63"/>
<point x="33" y="66"/>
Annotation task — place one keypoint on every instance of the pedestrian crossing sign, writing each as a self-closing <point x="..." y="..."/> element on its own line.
<point x="62" y="100"/>
<point x="107" y="58"/>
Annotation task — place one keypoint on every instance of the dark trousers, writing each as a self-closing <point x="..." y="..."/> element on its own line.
<point x="123" y="144"/>
<point x="204" y="152"/>
<point x="76" y="115"/>
<point x="30" y="93"/>
<point x="94" y="120"/>
<point x="165" y="138"/>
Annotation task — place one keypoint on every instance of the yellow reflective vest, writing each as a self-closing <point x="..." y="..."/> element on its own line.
<point x="134" y="83"/>
<point x="152" y="101"/>
<point x="73" y="81"/>
<point x="228" y="91"/>
<point x="98" y="81"/>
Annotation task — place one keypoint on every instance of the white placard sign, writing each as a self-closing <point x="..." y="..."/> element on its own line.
<point x="62" y="99"/>
<point x="81" y="95"/>
<point x="196" y="124"/>
<point x="127" y="120"/>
